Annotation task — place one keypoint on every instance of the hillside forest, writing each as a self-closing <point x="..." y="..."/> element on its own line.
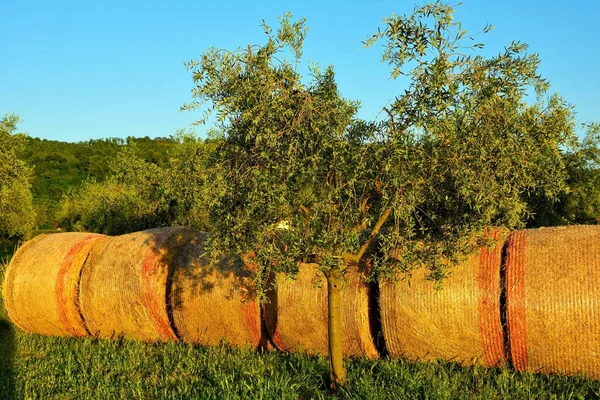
<point x="116" y="185"/>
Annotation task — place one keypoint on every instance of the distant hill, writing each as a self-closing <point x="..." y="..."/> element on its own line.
<point x="61" y="166"/>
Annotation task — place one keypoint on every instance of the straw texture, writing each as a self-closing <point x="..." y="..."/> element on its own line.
<point x="296" y="316"/>
<point x="461" y="322"/>
<point x="41" y="287"/>
<point x="125" y="283"/>
<point x="213" y="303"/>
<point x="553" y="298"/>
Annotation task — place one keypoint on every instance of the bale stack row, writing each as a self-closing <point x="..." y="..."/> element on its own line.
<point x="41" y="286"/>
<point x="460" y="322"/>
<point x="553" y="300"/>
<point x="532" y="301"/>
<point x="155" y="285"/>
<point x="151" y="286"/>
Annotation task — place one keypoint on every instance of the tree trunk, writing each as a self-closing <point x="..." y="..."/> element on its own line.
<point x="337" y="373"/>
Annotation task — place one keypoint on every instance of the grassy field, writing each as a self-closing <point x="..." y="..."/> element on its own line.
<point x="36" y="367"/>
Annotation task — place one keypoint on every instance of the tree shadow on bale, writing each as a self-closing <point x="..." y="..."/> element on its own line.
<point x="213" y="300"/>
<point x="158" y="285"/>
<point x="208" y="301"/>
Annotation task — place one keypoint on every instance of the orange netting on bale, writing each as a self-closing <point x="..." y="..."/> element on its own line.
<point x="41" y="286"/>
<point x="552" y="299"/>
<point x="125" y="283"/>
<point x="214" y="303"/>
<point x="460" y="322"/>
<point x="296" y="316"/>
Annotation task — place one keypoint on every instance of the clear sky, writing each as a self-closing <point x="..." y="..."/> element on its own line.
<point x="76" y="70"/>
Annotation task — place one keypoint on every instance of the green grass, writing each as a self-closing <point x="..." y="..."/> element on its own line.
<point x="36" y="367"/>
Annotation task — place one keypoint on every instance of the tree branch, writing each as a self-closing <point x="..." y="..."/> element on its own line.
<point x="374" y="233"/>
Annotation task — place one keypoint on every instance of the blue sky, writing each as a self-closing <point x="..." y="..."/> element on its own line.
<point x="76" y="70"/>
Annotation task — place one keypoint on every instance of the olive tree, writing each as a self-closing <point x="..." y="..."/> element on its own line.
<point x="17" y="216"/>
<point x="302" y="179"/>
<point x="292" y="161"/>
<point x="465" y="143"/>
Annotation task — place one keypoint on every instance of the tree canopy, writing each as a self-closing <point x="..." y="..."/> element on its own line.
<point x="304" y="179"/>
<point x="16" y="205"/>
<point x="580" y="204"/>
<point x="60" y="167"/>
<point x="464" y="144"/>
<point x="293" y="176"/>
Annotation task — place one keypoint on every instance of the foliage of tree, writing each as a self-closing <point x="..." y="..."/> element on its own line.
<point x="293" y="178"/>
<point x="581" y="203"/>
<point x="59" y="167"/>
<point x="107" y="207"/>
<point x="16" y="206"/>
<point x="191" y="178"/>
<point x="140" y="194"/>
<point x="464" y="143"/>
<point x="303" y="180"/>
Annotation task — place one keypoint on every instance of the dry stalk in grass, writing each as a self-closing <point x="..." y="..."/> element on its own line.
<point x="125" y="283"/>
<point x="460" y="322"/>
<point x="214" y="303"/>
<point x="553" y="299"/>
<point x="296" y="316"/>
<point x="41" y="286"/>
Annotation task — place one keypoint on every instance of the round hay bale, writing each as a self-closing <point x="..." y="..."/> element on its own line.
<point x="125" y="283"/>
<point x="214" y="303"/>
<point x="296" y="316"/>
<point x="459" y="322"/>
<point x="552" y="300"/>
<point x="41" y="287"/>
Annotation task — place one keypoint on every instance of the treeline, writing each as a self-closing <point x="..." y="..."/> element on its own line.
<point x="140" y="191"/>
<point x="58" y="167"/>
<point x="116" y="185"/>
<point x="142" y="194"/>
<point x="579" y="203"/>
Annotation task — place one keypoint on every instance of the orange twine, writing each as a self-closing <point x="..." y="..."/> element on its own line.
<point x="59" y="290"/>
